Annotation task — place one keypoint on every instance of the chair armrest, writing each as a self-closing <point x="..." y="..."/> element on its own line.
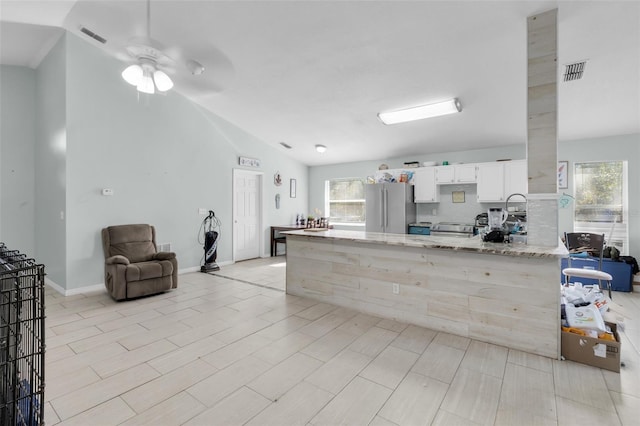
<point x="118" y="259"/>
<point x="164" y="255"/>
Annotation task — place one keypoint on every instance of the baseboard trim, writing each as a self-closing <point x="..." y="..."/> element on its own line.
<point x="87" y="289"/>
<point x="72" y="292"/>
<point x="100" y="286"/>
<point x="197" y="268"/>
<point x="54" y="286"/>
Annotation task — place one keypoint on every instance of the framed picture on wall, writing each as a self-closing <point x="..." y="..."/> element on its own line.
<point x="457" y="196"/>
<point x="292" y="188"/>
<point x="563" y="174"/>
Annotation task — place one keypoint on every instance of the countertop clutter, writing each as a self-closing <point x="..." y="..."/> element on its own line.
<point x="473" y="244"/>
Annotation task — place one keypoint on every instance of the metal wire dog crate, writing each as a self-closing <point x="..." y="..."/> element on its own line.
<point x="22" y="344"/>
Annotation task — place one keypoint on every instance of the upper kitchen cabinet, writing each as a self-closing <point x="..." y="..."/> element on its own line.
<point x="516" y="179"/>
<point x="425" y="186"/>
<point x="458" y="173"/>
<point x="496" y="181"/>
<point x="444" y="174"/>
<point x="490" y="182"/>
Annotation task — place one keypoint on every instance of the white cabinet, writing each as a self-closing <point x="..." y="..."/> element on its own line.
<point x="459" y="173"/>
<point x="445" y="174"/>
<point x="465" y="173"/>
<point x="490" y="182"/>
<point x="496" y="181"/>
<point x="516" y="179"/>
<point x="425" y="188"/>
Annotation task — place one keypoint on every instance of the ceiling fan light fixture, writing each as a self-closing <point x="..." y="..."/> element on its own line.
<point x="146" y="84"/>
<point x="449" y="106"/>
<point x="133" y="74"/>
<point x="162" y="80"/>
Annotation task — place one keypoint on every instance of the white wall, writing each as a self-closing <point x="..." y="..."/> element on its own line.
<point x="17" y="163"/>
<point x="51" y="164"/>
<point x="163" y="156"/>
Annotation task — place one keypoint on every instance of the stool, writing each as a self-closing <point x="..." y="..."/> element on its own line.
<point x="588" y="273"/>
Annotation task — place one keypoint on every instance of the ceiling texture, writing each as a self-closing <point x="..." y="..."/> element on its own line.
<point x="318" y="72"/>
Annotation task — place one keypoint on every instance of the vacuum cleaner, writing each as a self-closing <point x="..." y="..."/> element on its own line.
<point x="209" y="224"/>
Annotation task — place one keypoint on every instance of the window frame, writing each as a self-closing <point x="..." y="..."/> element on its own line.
<point x="615" y="233"/>
<point x="328" y="201"/>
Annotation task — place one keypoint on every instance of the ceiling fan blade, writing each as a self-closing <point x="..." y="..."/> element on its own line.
<point x="122" y="56"/>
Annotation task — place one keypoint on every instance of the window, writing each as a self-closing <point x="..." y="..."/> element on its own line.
<point x="344" y="200"/>
<point x="600" y="190"/>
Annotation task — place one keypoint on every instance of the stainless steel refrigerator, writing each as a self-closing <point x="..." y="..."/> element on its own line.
<point x="389" y="207"/>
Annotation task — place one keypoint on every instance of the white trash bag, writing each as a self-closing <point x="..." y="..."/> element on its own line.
<point x="585" y="317"/>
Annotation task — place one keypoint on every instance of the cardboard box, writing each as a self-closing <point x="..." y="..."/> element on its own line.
<point x="591" y="351"/>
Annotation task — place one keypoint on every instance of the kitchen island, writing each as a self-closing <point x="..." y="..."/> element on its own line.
<point x="498" y="293"/>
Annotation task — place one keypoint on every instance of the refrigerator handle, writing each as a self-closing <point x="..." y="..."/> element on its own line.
<point x="382" y="208"/>
<point x="386" y="209"/>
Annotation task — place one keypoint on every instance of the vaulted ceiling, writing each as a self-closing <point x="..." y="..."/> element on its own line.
<point x="318" y="72"/>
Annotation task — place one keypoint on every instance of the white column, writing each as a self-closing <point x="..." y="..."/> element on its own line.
<point x="542" y="125"/>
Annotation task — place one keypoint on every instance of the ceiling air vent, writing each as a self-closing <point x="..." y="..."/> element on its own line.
<point x="93" y="35"/>
<point x="285" y="145"/>
<point x="574" y="71"/>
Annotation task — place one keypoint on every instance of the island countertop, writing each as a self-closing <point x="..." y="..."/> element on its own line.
<point x="472" y="244"/>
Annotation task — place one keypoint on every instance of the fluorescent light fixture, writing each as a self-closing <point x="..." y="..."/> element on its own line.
<point x="321" y="148"/>
<point x="418" y="113"/>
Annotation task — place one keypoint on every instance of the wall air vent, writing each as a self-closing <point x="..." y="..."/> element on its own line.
<point x="574" y="71"/>
<point x="93" y="35"/>
<point x="285" y="145"/>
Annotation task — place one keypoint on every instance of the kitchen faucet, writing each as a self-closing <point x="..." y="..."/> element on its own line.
<point x="506" y="203"/>
<point x="506" y="206"/>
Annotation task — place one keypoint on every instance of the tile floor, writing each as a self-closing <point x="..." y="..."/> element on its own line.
<point x="222" y="351"/>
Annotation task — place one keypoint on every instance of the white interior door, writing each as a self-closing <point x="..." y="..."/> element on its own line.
<point x="247" y="208"/>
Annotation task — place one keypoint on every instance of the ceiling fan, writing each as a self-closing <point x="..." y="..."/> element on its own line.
<point x="151" y="64"/>
<point x="178" y="63"/>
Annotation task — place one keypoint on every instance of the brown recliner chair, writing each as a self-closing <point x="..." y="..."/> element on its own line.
<point x="133" y="266"/>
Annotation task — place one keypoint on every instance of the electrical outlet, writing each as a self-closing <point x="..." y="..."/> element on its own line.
<point x="396" y="288"/>
<point x="434" y="212"/>
<point x="203" y="211"/>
